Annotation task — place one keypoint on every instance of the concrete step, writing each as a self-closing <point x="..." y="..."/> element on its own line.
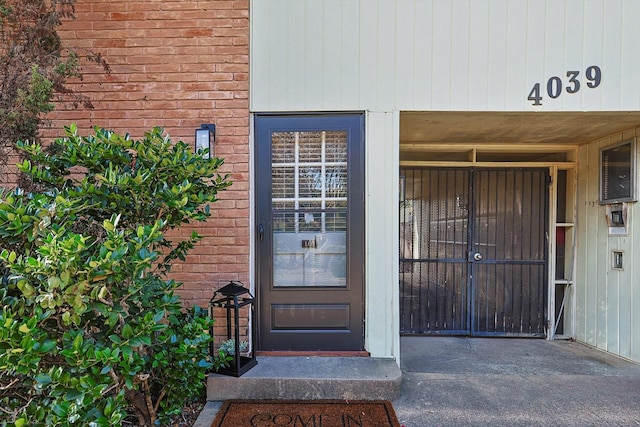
<point x="311" y="377"/>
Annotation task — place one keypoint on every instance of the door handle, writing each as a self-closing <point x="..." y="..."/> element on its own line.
<point x="260" y="231"/>
<point x="477" y="256"/>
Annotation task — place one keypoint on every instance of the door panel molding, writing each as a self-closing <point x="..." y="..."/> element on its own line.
<point x="316" y="317"/>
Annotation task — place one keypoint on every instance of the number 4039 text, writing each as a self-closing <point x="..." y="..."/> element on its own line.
<point x="572" y="84"/>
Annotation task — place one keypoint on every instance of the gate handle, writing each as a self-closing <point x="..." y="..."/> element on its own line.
<point x="260" y="231"/>
<point x="477" y="256"/>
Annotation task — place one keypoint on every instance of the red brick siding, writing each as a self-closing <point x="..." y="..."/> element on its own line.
<point x="175" y="64"/>
<point x="8" y="171"/>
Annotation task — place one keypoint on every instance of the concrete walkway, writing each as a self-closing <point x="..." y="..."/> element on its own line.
<point x="514" y="382"/>
<point x="448" y="381"/>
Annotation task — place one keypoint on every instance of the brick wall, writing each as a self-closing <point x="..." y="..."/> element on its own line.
<point x="175" y="64"/>
<point x="8" y="171"/>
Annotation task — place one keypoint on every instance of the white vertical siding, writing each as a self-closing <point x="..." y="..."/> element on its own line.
<point x="386" y="57"/>
<point x="317" y="54"/>
<point x="593" y="47"/>
<point x="612" y="52"/>
<point x="497" y="91"/>
<point x="347" y="84"/>
<point x="608" y="300"/>
<point x="574" y="47"/>
<point x="553" y="43"/>
<point x="332" y="60"/>
<point x="423" y="59"/>
<point x="367" y="67"/>
<point x="292" y="52"/>
<point x="516" y="52"/>
<point x="632" y="306"/>
<point x="630" y="64"/>
<point x="381" y="227"/>
<point x="534" y="59"/>
<point x="406" y="54"/>
<point x="441" y="55"/>
<point x="460" y="36"/>
<point x="441" y="75"/>
<point x="478" y="54"/>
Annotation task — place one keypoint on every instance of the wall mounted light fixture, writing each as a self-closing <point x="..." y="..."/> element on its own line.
<point x="205" y="138"/>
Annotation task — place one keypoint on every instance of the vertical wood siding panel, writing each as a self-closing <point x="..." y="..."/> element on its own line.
<point x="607" y="300"/>
<point x="591" y="242"/>
<point x="607" y="279"/>
<point x="461" y="72"/>
<point x="612" y="55"/>
<point x="498" y="36"/>
<point x="367" y="92"/>
<point x="625" y="310"/>
<point x="624" y="301"/>
<point x="441" y="66"/>
<point x="423" y="55"/>
<point x="535" y="66"/>
<point x="313" y="55"/>
<point x="381" y="228"/>
<point x="516" y="83"/>
<point x="332" y="67"/>
<point x="554" y="53"/>
<point x="582" y="239"/>
<point x="614" y="279"/>
<point x="277" y="56"/>
<point x="463" y="55"/>
<point x="385" y="81"/>
<point x="593" y="47"/>
<point x="294" y="73"/>
<point x="601" y="254"/>
<point x="292" y="55"/>
<point x="573" y="59"/>
<point x="634" y="282"/>
<point x="405" y="76"/>
<point x="625" y="282"/>
<point x="349" y="59"/>
<point x="630" y="63"/>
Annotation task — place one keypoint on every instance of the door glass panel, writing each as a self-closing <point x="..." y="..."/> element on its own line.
<point x="309" y="208"/>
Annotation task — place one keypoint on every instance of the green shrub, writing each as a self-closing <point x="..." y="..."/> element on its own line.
<point x="91" y="331"/>
<point x="228" y="347"/>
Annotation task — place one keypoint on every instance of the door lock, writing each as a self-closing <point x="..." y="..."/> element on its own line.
<point x="477" y="256"/>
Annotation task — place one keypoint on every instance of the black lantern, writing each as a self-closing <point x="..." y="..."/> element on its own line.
<point x="232" y="298"/>
<point x="204" y="138"/>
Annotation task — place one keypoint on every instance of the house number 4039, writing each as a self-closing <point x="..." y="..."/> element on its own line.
<point x="592" y="75"/>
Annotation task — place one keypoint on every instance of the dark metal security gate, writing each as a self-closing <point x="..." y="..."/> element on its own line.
<point x="473" y="256"/>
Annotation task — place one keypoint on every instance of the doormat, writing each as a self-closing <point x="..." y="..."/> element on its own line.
<point x="306" y="413"/>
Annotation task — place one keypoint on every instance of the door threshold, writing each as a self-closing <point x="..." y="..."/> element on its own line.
<point x="288" y="353"/>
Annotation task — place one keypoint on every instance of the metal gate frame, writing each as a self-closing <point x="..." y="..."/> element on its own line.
<point x="449" y="273"/>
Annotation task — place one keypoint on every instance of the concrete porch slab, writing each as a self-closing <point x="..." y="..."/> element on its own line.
<point x="458" y="381"/>
<point x="311" y="377"/>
